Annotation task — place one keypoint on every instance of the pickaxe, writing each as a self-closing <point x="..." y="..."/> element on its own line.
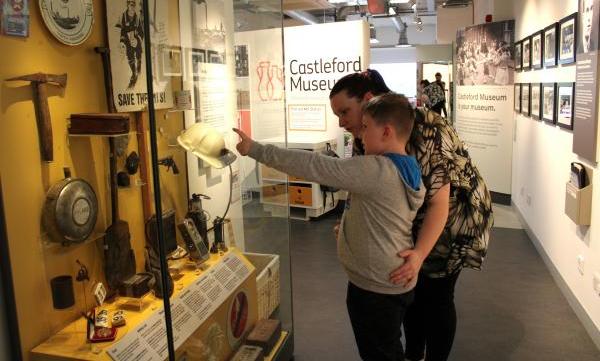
<point x="42" y="113"/>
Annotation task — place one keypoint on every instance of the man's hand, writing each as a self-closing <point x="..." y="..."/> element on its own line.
<point x="404" y="274"/>
<point x="336" y="229"/>
<point x="245" y="142"/>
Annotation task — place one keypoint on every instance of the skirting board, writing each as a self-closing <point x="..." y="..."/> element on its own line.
<point x="579" y="310"/>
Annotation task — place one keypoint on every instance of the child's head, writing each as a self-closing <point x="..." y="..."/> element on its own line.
<point x="387" y="123"/>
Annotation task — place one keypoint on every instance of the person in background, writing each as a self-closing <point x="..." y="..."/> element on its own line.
<point x="442" y="85"/>
<point x="432" y="95"/>
<point x="449" y="235"/>
<point x="375" y="224"/>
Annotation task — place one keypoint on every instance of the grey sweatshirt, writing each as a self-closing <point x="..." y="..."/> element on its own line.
<point x="377" y="223"/>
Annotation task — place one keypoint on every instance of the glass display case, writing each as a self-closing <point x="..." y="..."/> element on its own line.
<point x="134" y="229"/>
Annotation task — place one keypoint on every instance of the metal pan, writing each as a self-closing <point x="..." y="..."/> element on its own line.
<point x="70" y="211"/>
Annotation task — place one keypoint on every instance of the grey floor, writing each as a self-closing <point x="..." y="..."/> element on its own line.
<point x="512" y="310"/>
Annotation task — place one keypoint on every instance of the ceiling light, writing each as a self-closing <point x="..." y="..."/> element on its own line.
<point x="391" y="11"/>
<point x="398" y="1"/>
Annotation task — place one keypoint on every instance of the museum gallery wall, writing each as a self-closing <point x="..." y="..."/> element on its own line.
<point x="544" y="143"/>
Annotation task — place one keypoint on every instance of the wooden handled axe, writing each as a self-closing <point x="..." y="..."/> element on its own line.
<point x="42" y="113"/>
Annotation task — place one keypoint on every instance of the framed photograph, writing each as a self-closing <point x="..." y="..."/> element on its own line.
<point x="518" y="98"/>
<point x="550" y="46"/>
<point x="526" y="53"/>
<point x="537" y="50"/>
<point x="566" y="105"/>
<point x="171" y="61"/>
<point x="526" y="99"/>
<point x="536" y="100"/>
<point x="198" y="58"/>
<point x="518" y="56"/>
<point x="549" y="102"/>
<point x="567" y="39"/>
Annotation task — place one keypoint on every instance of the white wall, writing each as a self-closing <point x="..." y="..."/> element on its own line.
<point x="541" y="164"/>
<point x="450" y="20"/>
<point x="393" y="55"/>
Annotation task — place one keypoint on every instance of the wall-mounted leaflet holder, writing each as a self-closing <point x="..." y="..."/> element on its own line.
<point x="578" y="198"/>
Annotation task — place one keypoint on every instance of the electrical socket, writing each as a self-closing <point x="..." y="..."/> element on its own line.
<point x="597" y="283"/>
<point x="581" y="264"/>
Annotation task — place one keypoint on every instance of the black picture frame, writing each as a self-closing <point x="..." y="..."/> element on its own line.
<point x="526" y="51"/>
<point x="517" y="98"/>
<point x="551" y="46"/>
<point x="537" y="50"/>
<point x="565" y="105"/>
<point x="567" y="35"/>
<point x="518" y="56"/>
<point x="548" y="103"/>
<point x="536" y="100"/>
<point x="526" y="99"/>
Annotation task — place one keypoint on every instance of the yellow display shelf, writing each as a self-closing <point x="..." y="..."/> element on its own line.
<point x="70" y="342"/>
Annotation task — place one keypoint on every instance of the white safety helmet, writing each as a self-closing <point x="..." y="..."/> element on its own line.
<point x="207" y="144"/>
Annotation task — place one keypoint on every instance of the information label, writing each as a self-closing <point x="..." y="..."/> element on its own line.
<point x="585" y="125"/>
<point x="307" y="117"/>
<point x="189" y="309"/>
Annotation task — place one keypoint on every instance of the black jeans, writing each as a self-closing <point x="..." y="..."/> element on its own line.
<point x="376" y="321"/>
<point x="430" y="322"/>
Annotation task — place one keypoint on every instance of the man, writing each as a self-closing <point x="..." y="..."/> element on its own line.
<point x="132" y="35"/>
<point x="587" y="28"/>
<point x="441" y="84"/>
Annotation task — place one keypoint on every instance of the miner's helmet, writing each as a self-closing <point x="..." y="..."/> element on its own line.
<point x="206" y="143"/>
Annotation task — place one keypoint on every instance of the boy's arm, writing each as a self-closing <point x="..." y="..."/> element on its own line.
<point x="350" y="174"/>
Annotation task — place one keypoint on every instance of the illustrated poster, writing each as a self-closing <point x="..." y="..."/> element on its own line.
<point x="126" y="41"/>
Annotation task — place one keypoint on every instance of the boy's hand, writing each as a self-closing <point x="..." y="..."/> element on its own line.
<point x="245" y="142"/>
<point x="413" y="260"/>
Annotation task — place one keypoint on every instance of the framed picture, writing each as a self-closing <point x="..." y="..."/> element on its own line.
<point x="536" y="100"/>
<point x="518" y="56"/>
<point x="550" y="46"/>
<point x="518" y="98"/>
<point x="566" y="105"/>
<point x="549" y="102"/>
<point x="171" y="61"/>
<point x="537" y="50"/>
<point x="567" y="39"/>
<point x="526" y="53"/>
<point x="198" y="57"/>
<point x="525" y="99"/>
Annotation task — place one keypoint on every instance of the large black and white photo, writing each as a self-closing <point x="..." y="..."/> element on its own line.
<point x="126" y="41"/>
<point x="588" y="39"/>
<point x="484" y="54"/>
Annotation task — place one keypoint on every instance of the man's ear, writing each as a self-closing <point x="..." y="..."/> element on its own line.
<point x="368" y="96"/>
<point x="388" y="130"/>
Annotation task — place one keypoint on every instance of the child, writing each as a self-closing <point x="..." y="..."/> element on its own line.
<point x="377" y="222"/>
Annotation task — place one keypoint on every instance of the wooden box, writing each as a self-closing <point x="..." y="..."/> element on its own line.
<point x="301" y="195"/>
<point x="274" y="193"/>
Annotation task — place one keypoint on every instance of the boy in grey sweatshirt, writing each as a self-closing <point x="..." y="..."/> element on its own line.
<point x="385" y="193"/>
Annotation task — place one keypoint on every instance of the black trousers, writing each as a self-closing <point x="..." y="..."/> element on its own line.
<point x="430" y="322"/>
<point x="376" y="321"/>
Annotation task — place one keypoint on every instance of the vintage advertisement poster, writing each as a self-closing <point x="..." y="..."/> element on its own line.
<point x="14" y="19"/>
<point x="585" y="118"/>
<point x="126" y="40"/>
<point x="485" y="99"/>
